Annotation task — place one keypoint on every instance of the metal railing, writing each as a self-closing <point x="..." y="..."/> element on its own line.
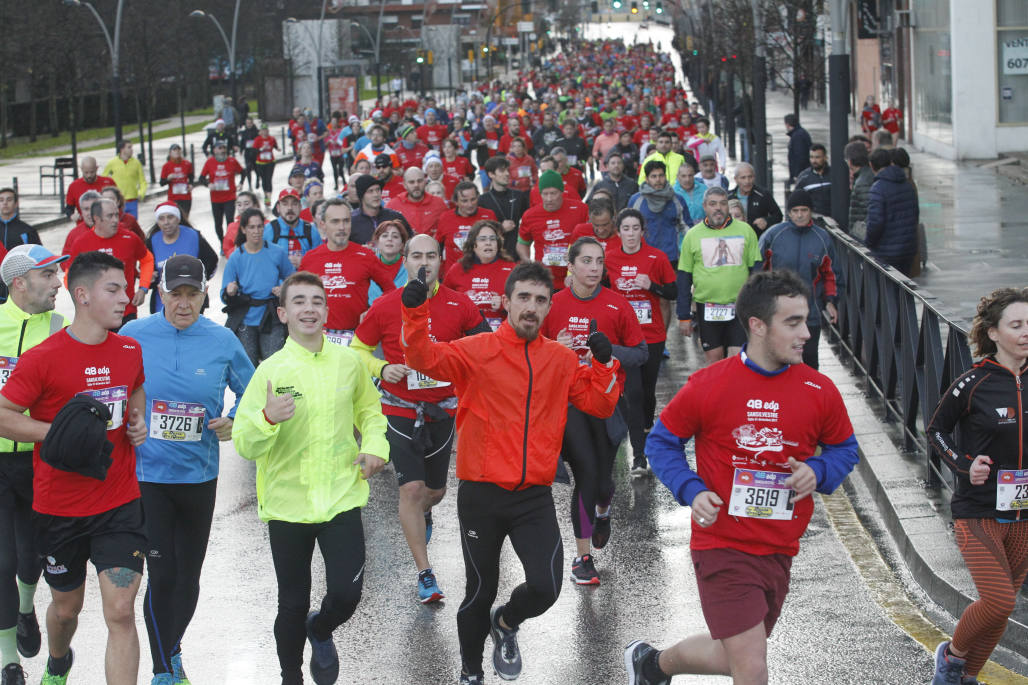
<point x="907" y="347"/>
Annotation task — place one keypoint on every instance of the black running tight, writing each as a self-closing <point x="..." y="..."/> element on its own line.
<point x="589" y="453"/>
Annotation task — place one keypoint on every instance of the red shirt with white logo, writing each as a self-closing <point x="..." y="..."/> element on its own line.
<point x="432" y="135"/>
<point x="622" y="269"/>
<point x="347" y="275"/>
<point x="612" y="313"/>
<point x="483" y="284"/>
<point x="586" y="230"/>
<point x="125" y="246"/>
<point x="451" y="314"/>
<point x="49" y="375"/>
<point x="550" y="232"/>
<point x="412" y="157"/>
<point x="391" y="188"/>
<point x="523" y="173"/>
<point x="221" y="178"/>
<point x="177" y="175"/>
<point x="265" y="147"/>
<point x="452" y="231"/>
<point x="454" y="172"/>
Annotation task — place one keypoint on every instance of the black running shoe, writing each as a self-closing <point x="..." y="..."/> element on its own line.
<point x="583" y="572"/>
<point x="324" y="659"/>
<point x="639" y="465"/>
<point x="29" y="639"/>
<point x="636" y="654"/>
<point x="601" y="530"/>
<point x="12" y="675"/>
<point x="506" y="654"/>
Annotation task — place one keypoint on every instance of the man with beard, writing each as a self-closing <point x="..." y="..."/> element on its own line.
<point x="505" y="202"/>
<point x="505" y="476"/>
<point x="760" y="207"/>
<point x="294" y="235"/>
<point x="817" y="181"/>
<point x="421" y="210"/>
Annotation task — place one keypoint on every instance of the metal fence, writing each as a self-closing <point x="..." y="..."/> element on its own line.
<point x="904" y="343"/>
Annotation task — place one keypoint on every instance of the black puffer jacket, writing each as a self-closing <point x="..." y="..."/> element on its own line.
<point x="892" y="215"/>
<point x="989" y="404"/>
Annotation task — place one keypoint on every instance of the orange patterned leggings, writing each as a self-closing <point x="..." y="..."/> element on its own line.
<point x="996" y="554"/>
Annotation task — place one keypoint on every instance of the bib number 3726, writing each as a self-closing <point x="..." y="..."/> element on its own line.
<point x="1012" y="490"/>
<point x="761" y="495"/>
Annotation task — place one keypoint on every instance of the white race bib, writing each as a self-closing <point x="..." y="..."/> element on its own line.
<point x="249" y="144"/>
<point x="492" y="144"/>
<point x="264" y="156"/>
<point x="179" y="188"/>
<point x="761" y="495"/>
<point x="419" y="381"/>
<point x="524" y="171"/>
<point x="643" y="310"/>
<point x="6" y="369"/>
<point x="555" y="255"/>
<point x="572" y="160"/>
<point x="1012" y="490"/>
<point x="494" y="323"/>
<point x="341" y="338"/>
<point x="461" y="237"/>
<point x="116" y="400"/>
<point x="176" y="421"/>
<point x="718" y="312"/>
<point x="220" y="184"/>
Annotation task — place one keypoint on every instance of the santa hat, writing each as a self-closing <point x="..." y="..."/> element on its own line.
<point x="167" y="208"/>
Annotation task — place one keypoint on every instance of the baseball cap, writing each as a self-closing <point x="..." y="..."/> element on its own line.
<point x="24" y="258"/>
<point x="183" y="269"/>
<point x="383" y="160"/>
<point x="288" y="192"/>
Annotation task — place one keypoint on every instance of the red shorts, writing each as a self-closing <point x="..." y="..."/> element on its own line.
<point x="740" y="590"/>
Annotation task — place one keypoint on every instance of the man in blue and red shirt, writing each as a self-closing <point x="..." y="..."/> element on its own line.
<point x="758" y="419"/>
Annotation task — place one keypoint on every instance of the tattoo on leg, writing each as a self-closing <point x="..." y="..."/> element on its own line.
<point x="120" y="577"/>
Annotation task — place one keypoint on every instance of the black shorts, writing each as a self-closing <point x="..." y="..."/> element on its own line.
<point x="112" y="539"/>
<point x="15" y="480"/>
<point x="428" y="459"/>
<point x="714" y="334"/>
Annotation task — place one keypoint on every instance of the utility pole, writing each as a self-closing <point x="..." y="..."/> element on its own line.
<point x="759" y="103"/>
<point x="838" y="113"/>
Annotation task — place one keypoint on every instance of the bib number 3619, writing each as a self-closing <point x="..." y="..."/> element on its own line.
<point x="761" y="495"/>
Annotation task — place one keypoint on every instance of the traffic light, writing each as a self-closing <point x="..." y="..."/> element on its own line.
<point x="420" y="59"/>
<point x="617" y="4"/>
<point x="635" y="7"/>
<point x="695" y="52"/>
<point x="660" y="7"/>
<point x="594" y="7"/>
<point x="646" y="4"/>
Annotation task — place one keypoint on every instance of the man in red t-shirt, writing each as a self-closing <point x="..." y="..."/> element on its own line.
<point x="422" y="211"/>
<point x="455" y="223"/>
<point x="346" y="270"/>
<point x="432" y="132"/>
<point x="419" y="409"/>
<point x="759" y="419"/>
<point x="123" y="245"/>
<point x="219" y="173"/>
<point x="89" y="180"/>
<point x="84" y="225"/>
<point x="409" y="150"/>
<point x="549" y="226"/>
<point x="892" y="117"/>
<point x="80" y="518"/>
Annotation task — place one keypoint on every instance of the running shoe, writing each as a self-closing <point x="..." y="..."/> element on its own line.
<point x="163" y="679"/>
<point x="51" y="679"/>
<point x="471" y="679"/>
<point x="639" y="465"/>
<point x="428" y="589"/>
<point x="583" y="572"/>
<point x="12" y="675"/>
<point x="601" y="530"/>
<point x="506" y="654"/>
<point x="324" y="659"/>
<point x="949" y="670"/>
<point x="428" y="526"/>
<point x="636" y="655"/>
<point x="29" y="639"/>
<point x="178" y="671"/>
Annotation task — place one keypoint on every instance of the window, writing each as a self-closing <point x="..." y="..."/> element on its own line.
<point x="1012" y="60"/>
<point x="933" y="71"/>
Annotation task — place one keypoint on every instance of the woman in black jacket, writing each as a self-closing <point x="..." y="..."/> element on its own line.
<point x="990" y="504"/>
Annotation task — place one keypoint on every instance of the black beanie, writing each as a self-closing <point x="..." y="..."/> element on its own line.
<point x="799" y="198"/>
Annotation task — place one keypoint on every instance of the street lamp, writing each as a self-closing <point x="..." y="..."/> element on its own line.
<point x="230" y="47"/>
<point x="374" y="47"/>
<point x="112" y="45"/>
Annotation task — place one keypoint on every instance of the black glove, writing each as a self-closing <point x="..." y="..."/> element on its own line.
<point x="599" y="344"/>
<point x="415" y="292"/>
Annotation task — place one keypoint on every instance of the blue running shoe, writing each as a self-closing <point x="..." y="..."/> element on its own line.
<point x="324" y="659"/>
<point x="178" y="671"/>
<point x="949" y="670"/>
<point x="428" y="589"/>
<point x="163" y="679"/>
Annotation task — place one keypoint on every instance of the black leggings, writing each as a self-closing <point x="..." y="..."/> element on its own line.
<point x="641" y="394"/>
<point x="338" y="170"/>
<point x="224" y="212"/>
<point x="250" y="160"/>
<point x="488" y="514"/>
<point x="185" y="206"/>
<point x="590" y="454"/>
<point x="178" y="525"/>
<point x="18" y="555"/>
<point x="810" y="347"/>
<point x="292" y="546"/>
<point x="264" y="174"/>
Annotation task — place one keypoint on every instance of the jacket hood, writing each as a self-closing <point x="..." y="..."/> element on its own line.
<point x="893" y="174"/>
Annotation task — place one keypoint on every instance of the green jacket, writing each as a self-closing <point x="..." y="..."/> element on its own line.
<point x="19" y="332"/>
<point x="305" y="470"/>
<point x="672" y="160"/>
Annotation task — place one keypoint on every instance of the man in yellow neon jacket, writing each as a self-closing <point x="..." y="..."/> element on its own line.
<point x="128" y="175"/>
<point x="296" y="420"/>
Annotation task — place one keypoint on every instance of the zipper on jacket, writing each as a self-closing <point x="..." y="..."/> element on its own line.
<point x="528" y="408"/>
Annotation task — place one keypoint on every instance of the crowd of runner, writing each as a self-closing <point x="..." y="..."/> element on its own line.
<point x="493" y="280"/>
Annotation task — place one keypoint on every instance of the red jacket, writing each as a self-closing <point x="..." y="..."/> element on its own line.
<point x="513" y="398"/>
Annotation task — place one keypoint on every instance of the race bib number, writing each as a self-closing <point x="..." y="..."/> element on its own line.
<point x="460" y="237"/>
<point x="555" y="255"/>
<point x="419" y="381"/>
<point x="176" y="421"/>
<point x="116" y="400"/>
<point x="1012" y="490"/>
<point x="524" y="171"/>
<point x="718" y="312"/>
<point x="6" y="369"/>
<point x="572" y="160"/>
<point x="494" y="322"/>
<point x="220" y="184"/>
<point x="179" y="188"/>
<point x="341" y="338"/>
<point x="761" y="495"/>
<point x="249" y="144"/>
<point x="264" y="156"/>
<point x="492" y="144"/>
<point x="643" y="310"/>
